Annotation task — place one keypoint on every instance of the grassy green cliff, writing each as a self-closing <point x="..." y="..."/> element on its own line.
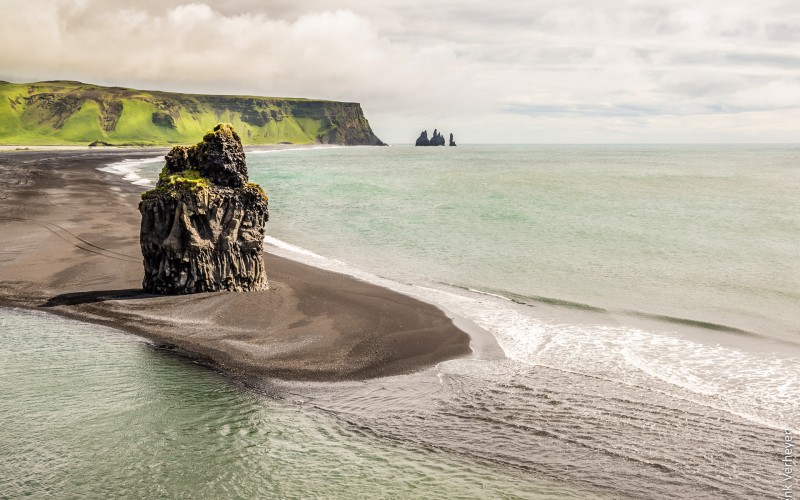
<point x="74" y="113"/>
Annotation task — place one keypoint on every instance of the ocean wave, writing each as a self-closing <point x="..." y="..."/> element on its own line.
<point x="130" y="169"/>
<point x="751" y="385"/>
<point x="531" y="299"/>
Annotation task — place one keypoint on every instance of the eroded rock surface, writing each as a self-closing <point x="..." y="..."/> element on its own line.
<point x="203" y="224"/>
<point x="437" y="139"/>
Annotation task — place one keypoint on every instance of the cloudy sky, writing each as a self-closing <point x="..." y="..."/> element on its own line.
<point x="530" y="71"/>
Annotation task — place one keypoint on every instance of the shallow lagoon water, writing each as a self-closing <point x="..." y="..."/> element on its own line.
<point x="90" y="412"/>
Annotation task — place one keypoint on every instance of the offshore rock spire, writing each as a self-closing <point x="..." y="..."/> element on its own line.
<point x="437" y="139"/>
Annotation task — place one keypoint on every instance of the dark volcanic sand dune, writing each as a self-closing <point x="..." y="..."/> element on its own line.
<point x="70" y="246"/>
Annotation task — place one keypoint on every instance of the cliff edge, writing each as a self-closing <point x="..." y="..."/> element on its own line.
<point x="63" y="113"/>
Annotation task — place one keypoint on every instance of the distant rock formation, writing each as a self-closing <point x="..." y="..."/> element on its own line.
<point x="452" y="142"/>
<point x="203" y="224"/>
<point x="437" y="139"/>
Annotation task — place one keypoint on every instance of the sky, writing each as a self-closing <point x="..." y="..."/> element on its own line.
<point x="533" y="71"/>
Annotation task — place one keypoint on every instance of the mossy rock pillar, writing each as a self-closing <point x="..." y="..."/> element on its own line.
<point x="203" y="224"/>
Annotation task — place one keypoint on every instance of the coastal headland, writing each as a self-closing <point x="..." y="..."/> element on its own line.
<point x="74" y="113"/>
<point x="70" y="246"/>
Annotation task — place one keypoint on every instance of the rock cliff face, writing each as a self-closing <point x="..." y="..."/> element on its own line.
<point x="62" y="112"/>
<point x="346" y="124"/>
<point x="203" y="224"/>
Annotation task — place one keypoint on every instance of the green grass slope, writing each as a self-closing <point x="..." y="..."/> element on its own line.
<point x="74" y="113"/>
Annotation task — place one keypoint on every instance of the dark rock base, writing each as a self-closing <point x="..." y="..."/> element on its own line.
<point x="203" y="239"/>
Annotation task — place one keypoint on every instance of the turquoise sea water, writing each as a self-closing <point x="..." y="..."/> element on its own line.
<point x="646" y="299"/>
<point x="702" y="233"/>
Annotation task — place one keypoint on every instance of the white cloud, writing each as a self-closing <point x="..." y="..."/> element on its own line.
<point x="517" y="71"/>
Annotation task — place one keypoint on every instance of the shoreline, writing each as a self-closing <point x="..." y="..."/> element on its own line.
<point x="72" y="249"/>
<point x="251" y="148"/>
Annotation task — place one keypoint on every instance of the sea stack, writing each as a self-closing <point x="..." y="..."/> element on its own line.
<point x="437" y="139"/>
<point x="452" y="141"/>
<point x="203" y="224"/>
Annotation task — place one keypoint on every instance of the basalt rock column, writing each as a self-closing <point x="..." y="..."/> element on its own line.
<point x="203" y="224"/>
<point x="437" y="139"/>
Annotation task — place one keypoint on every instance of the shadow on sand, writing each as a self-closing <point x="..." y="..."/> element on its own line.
<point x="77" y="298"/>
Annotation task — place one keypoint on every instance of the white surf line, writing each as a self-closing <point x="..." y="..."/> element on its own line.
<point x="128" y="169"/>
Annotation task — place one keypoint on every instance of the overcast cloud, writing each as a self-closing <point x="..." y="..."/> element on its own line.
<point x="517" y="71"/>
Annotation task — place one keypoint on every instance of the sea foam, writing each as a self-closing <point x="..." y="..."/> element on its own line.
<point x="130" y="170"/>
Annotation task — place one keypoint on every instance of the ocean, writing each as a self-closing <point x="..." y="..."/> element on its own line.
<point x="645" y="298"/>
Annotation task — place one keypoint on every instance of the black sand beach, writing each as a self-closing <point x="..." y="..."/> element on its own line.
<point x="70" y="246"/>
